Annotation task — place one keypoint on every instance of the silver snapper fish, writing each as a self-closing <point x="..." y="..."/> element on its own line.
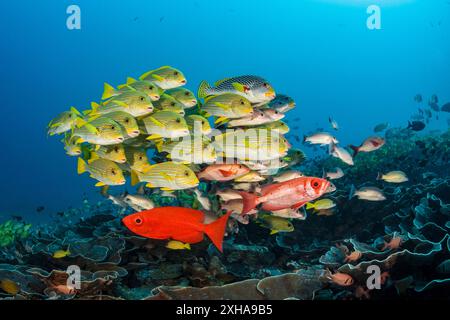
<point x="257" y="117"/>
<point x="322" y="138"/>
<point x="367" y="193"/>
<point x="341" y="153"/>
<point x="288" y="175"/>
<point x="333" y="123"/>
<point x="333" y="175"/>
<point x="138" y="202"/>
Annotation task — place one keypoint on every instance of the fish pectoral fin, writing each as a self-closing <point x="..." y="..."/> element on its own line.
<point x="223" y="106"/>
<point x="157" y="122"/>
<point x="166" y="176"/>
<point x="167" y="189"/>
<point x="153" y="137"/>
<point x="157" y="77"/>
<point x="273" y="231"/>
<point x="298" y="205"/>
<point x="121" y="103"/>
<point x="240" y="87"/>
<point x="100" y="184"/>
<point x="226" y="173"/>
<point x="91" y="128"/>
<point x="221" y="120"/>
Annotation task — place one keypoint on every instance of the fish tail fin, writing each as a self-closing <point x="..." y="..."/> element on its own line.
<point x="352" y="192"/>
<point x="104" y="191"/>
<point x="324" y="173"/>
<point x="379" y="176"/>
<point x="203" y="89"/>
<point x="108" y="91"/>
<point x="216" y="230"/>
<point x="409" y="125"/>
<point x="304" y="138"/>
<point x="309" y="205"/>
<point x="134" y="178"/>
<point x="159" y="144"/>
<point x="355" y="150"/>
<point x="82" y="167"/>
<point x="250" y="201"/>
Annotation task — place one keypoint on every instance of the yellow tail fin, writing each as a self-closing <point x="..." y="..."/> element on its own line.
<point x="82" y="167"/>
<point x="134" y="178"/>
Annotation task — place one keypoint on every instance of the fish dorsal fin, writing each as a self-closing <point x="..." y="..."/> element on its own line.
<point x="240" y="87"/>
<point x="141" y="190"/>
<point x="131" y="80"/>
<point x="218" y="83"/>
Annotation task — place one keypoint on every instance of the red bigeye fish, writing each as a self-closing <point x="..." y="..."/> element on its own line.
<point x="369" y="145"/>
<point x="176" y="223"/>
<point x="223" y="172"/>
<point x="289" y="194"/>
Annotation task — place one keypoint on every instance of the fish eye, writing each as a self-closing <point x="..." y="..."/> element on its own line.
<point x="315" y="184"/>
<point x="116" y="149"/>
<point x="178" y="120"/>
<point x="176" y="73"/>
<point x="150" y="88"/>
<point x="186" y="93"/>
<point x="141" y="157"/>
<point x="173" y="104"/>
<point x="127" y="120"/>
<point x="203" y="121"/>
<point x="186" y="173"/>
<point x="70" y="115"/>
<point x="113" y="172"/>
<point x="138" y="221"/>
<point x="142" y="98"/>
<point x="266" y="85"/>
<point x="113" y="127"/>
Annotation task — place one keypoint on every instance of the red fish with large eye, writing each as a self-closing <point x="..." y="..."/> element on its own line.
<point x="176" y="223"/>
<point x="289" y="194"/>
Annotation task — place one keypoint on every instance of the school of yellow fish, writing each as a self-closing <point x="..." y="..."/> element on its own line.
<point x="233" y="133"/>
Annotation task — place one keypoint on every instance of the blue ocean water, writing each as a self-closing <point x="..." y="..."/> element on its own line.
<point x="319" y="52"/>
